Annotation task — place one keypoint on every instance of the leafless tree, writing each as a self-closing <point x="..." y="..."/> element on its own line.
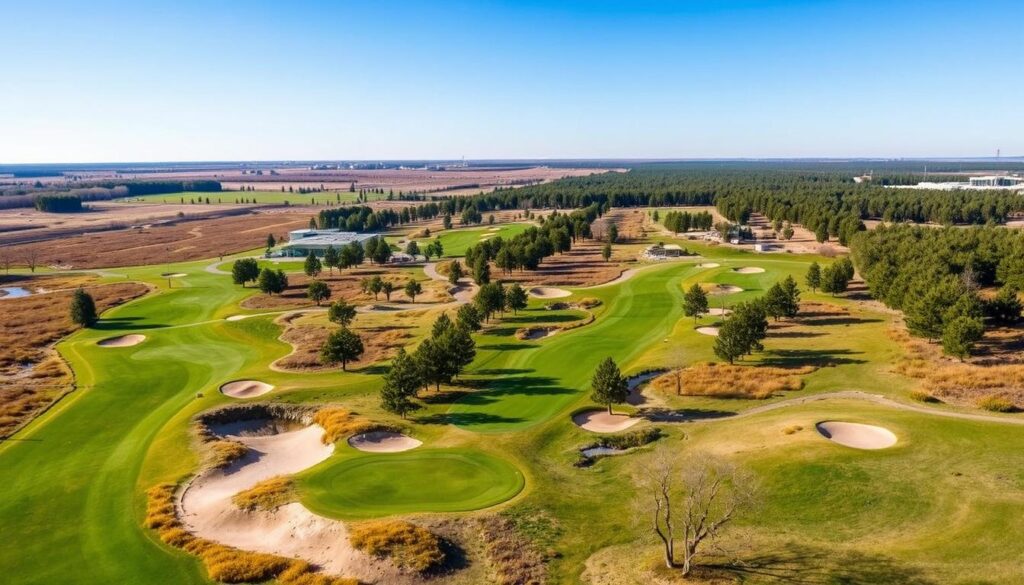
<point x="691" y="502"/>
<point x="6" y="261"/>
<point x="32" y="258"/>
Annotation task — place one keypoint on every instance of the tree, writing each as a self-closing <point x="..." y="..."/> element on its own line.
<point x="271" y="242"/>
<point x="695" y="302"/>
<point x="960" y="335"/>
<point x="83" y="308"/>
<point x="412" y="249"/>
<point x="692" y="502"/>
<point x="341" y="313"/>
<point x="821" y="233"/>
<point x="787" y="232"/>
<point x="442" y="324"/>
<point x="608" y="386"/>
<point x="341" y="346"/>
<point x="400" y="385"/>
<point x="455" y="273"/>
<point x="312" y="267"/>
<point x="791" y="300"/>
<point x="245" y="270"/>
<point x="813" y="278"/>
<point x="387" y="287"/>
<point x="331" y="259"/>
<point x="613" y="233"/>
<point x="834" y="279"/>
<point x="318" y="291"/>
<point x="352" y="255"/>
<point x="775" y="301"/>
<point x="272" y="281"/>
<point x="606" y="252"/>
<point x="481" y="271"/>
<point x="459" y="350"/>
<point x="515" y="298"/>
<point x="430" y="362"/>
<point x="729" y="344"/>
<point x="468" y="317"/>
<point x="446" y="222"/>
<point x="490" y="299"/>
<point x="1006" y="306"/>
<point x="412" y="289"/>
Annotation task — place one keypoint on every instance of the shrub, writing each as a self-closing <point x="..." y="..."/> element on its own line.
<point x="269" y="494"/>
<point x="589" y="303"/>
<point x="997" y="403"/>
<point x="339" y="423"/>
<point x="406" y="544"/>
<point x="637" y="438"/>
<point x="922" y="396"/>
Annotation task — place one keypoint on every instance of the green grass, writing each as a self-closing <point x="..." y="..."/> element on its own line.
<point x="422" y="480"/>
<point x="455" y="241"/>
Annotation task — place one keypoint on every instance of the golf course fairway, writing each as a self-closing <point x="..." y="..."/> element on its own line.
<point x="429" y="480"/>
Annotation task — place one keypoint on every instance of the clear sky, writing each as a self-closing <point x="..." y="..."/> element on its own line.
<point x="183" y="80"/>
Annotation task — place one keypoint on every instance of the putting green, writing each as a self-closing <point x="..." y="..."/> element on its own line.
<point x="432" y="480"/>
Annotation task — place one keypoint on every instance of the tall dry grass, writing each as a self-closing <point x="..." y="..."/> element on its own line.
<point x="341" y="423"/>
<point x="268" y="495"/>
<point x="224" y="563"/>
<point x="405" y="544"/>
<point x="733" y="381"/>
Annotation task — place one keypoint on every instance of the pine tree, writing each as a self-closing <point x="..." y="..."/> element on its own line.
<point x="468" y="317"/>
<point x="318" y="291"/>
<point x="401" y="384"/>
<point x="813" y="278"/>
<point x="413" y="289"/>
<point x="341" y="346"/>
<point x="312" y="267"/>
<point x="331" y="259"/>
<point x="515" y="298"/>
<point x="245" y="270"/>
<point x="960" y="335"/>
<point x="83" y="308"/>
<point x="606" y="252"/>
<point x="695" y="302"/>
<point x="455" y="273"/>
<point x="341" y="312"/>
<point x="608" y="386"/>
<point x="481" y="271"/>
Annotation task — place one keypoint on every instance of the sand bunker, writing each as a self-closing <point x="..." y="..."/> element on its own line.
<point x="748" y="270"/>
<point x="599" y="421"/>
<point x="173" y="274"/>
<point x="383" y="442"/>
<point x="709" y="265"/>
<point x="549" y="292"/>
<point x="719" y="312"/>
<point x="712" y="331"/>
<point x="122" y="341"/>
<point x="237" y="317"/>
<point x="724" y="289"/>
<point x="245" y="388"/>
<point x="856" y="435"/>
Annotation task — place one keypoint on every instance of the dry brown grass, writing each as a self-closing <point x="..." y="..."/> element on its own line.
<point x="164" y="243"/>
<point x="407" y="545"/>
<point x="269" y="495"/>
<point x="220" y="453"/>
<point x="989" y="377"/>
<point x="511" y="558"/>
<point x="346" y="286"/>
<point x="341" y="423"/>
<point x="379" y="344"/>
<point x="733" y="381"/>
<point x="32" y="375"/>
<point x="224" y="563"/>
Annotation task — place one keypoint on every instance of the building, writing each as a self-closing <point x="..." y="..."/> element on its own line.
<point x="661" y="251"/>
<point x="302" y="242"/>
<point x="996" y="181"/>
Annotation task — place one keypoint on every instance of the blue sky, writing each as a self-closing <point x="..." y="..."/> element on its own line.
<point x="365" y="80"/>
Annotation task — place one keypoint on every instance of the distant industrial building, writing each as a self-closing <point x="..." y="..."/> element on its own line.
<point x="996" y="181"/>
<point x="1009" y="182"/>
<point x="302" y="242"/>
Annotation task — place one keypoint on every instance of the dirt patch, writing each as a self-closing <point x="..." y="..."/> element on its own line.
<point x="599" y="421"/>
<point x="383" y="442"/>
<point x="732" y="381"/>
<point x="347" y="286"/>
<point x="856" y="435"/>
<point x="122" y="341"/>
<point x="245" y="388"/>
<point x="32" y="375"/>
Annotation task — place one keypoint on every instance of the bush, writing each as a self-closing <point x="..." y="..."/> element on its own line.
<point x="791" y="429"/>
<point x="589" y="303"/>
<point x="922" y="396"/>
<point x="406" y="544"/>
<point x="632" y="439"/>
<point x="269" y="495"/>
<point x="997" y="403"/>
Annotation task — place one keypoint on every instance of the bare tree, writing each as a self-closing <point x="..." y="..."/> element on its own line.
<point x="6" y="260"/>
<point x="32" y="258"/>
<point x="691" y="502"/>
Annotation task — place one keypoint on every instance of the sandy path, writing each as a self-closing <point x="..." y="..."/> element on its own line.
<point x="463" y="293"/>
<point x="293" y="531"/>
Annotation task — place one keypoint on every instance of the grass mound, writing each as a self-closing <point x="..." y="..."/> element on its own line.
<point x="269" y="494"/>
<point x="407" y="545"/>
<point x="733" y="381"/>
<point x="340" y="423"/>
<point x="224" y="563"/>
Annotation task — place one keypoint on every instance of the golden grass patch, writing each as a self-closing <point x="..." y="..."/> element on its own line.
<point x="269" y="495"/>
<point x="732" y="381"/>
<point x="340" y="423"/>
<point x="406" y="544"/>
<point x="220" y="453"/>
<point x="224" y="563"/>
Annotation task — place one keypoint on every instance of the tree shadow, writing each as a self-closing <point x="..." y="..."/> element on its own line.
<point x="683" y="414"/>
<point x="125" y="324"/>
<point x="506" y="346"/>
<point x="822" y="358"/>
<point x="466" y="419"/>
<point x="793" y="334"/>
<point x="822" y="322"/>
<point x="804" y="565"/>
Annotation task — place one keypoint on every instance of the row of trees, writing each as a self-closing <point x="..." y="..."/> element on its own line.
<point x="526" y="251"/>
<point x="684" y="221"/>
<point x="834" y="279"/>
<point x="493" y="298"/>
<point x="59" y="203"/>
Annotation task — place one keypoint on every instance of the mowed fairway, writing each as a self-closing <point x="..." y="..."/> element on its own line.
<point x="456" y="241"/>
<point x="423" y="480"/>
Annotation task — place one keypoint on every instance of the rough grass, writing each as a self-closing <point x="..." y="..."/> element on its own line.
<point x="379" y="344"/>
<point x="269" y="495"/>
<point x="962" y="383"/>
<point x="224" y="563"/>
<point x="512" y="557"/>
<point x="997" y="403"/>
<point x="220" y="453"/>
<point x="733" y="381"/>
<point x="407" y="545"/>
<point x="340" y="423"/>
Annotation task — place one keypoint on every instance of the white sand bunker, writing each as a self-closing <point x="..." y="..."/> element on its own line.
<point x="599" y="421"/>
<point x="712" y="331"/>
<point x="719" y="312"/>
<point x="709" y="265"/>
<point x="245" y="388"/>
<point x="383" y="442"/>
<point x="724" y="289"/>
<point x="173" y="274"/>
<point x="856" y="435"/>
<point x="748" y="270"/>
<point x="122" y="341"/>
<point x="237" y="317"/>
<point x="549" y="292"/>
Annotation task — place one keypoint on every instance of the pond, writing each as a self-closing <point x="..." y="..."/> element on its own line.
<point x="13" y="292"/>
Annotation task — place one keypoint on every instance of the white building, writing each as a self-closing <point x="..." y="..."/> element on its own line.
<point x="302" y="242"/>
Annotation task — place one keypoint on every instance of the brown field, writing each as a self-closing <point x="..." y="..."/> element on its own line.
<point x="32" y="375"/>
<point x="732" y="381"/>
<point x="346" y="286"/>
<point x="380" y="341"/>
<point x="172" y="242"/>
